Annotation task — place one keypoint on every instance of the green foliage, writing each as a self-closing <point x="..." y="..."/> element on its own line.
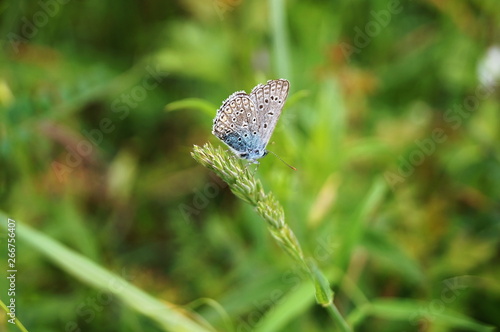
<point x="392" y="122"/>
<point x="250" y="190"/>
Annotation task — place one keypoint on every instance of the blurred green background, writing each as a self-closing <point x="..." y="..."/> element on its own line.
<point x="392" y="122"/>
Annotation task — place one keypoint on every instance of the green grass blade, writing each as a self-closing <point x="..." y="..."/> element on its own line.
<point x="288" y="308"/>
<point x="354" y="228"/>
<point x="168" y="316"/>
<point x="417" y="313"/>
<point x="192" y="103"/>
<point x="280" y="38"/>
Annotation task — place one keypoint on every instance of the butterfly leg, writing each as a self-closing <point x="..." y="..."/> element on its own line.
<point x="253" y="162"/>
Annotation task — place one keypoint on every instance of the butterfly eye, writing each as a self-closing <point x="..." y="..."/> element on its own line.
<point x="266" y="100"/>
<point x="265" y="125"/>
<point x="255" y="133"/>
<point x="261" y="106"/>
<point x="234" y="119"/>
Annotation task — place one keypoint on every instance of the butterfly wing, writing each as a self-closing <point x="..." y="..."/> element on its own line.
<point x="234" y="124"/>
<point x="269" y="100"/>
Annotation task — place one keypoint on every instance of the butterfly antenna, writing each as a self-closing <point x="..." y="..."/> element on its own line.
<point x="284" y="162"/>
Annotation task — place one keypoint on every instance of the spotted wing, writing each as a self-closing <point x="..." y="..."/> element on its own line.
<point x="234" y="123"/>
<point x="269" y="100"/>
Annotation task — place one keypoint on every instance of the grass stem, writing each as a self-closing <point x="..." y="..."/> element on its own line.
<point x="245" y="186"/>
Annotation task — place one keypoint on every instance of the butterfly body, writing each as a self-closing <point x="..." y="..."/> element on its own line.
<point x="245" y="122"/>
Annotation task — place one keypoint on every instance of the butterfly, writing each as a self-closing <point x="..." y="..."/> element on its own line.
<point x="245" y="122"/>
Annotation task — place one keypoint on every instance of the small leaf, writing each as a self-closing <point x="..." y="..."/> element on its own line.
<point x="192" y="103"/>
